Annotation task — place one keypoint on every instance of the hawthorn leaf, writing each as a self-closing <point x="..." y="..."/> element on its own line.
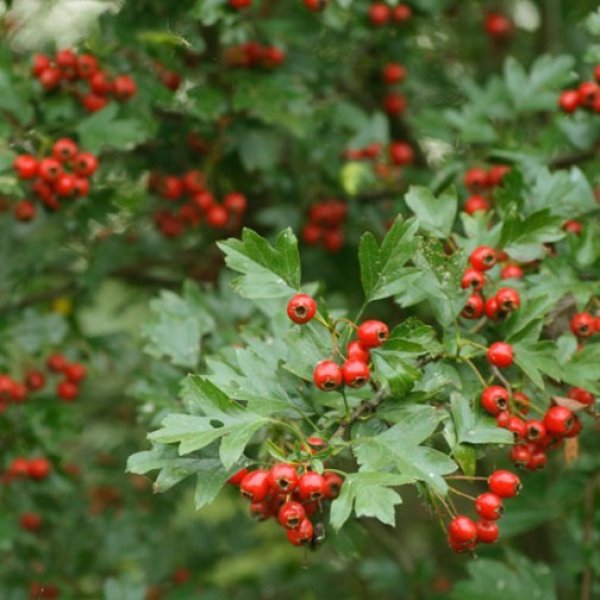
<point x="473" y="428"/>
<point x="436" y="215"/>
<point x="536" y="359"/>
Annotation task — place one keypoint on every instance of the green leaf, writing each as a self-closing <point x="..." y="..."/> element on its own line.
<point x="398" y="449"/>
<point x="382" y="269"/>
<point x="370" y="495"/>
<point x="267" y="271"/>
<point x="473" y="428"/>
<point x="224" y="420"/>
<point x="260" y="149"/>
<point x="537" y="358"/>
<point x="178" y="325"/>
<point x="208" y="104"/>
<point x="516" y="578"/>
<point x="583" y="368"/>
<point x="104" y="130"/>
<point x="436" y="215"/>
<point x="391" y="368"/>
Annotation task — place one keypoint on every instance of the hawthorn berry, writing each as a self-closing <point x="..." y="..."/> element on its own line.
<point x="394" y="104"/>
<point x="237" y="477"/>
<point x="462" y="529"/>
<point x="85" y="164"/>
<point x="56" y="362"/>
<point x="315" y="5"/>
<point x="483" y="258"/>
<point x="394" y="73"/>
<point x="216" y="216"/>
<point x="39" y="468"/>
<point x="291" y="514"/>
<point x="569" y="101"/>
<point x="535" y="430"/>
<point x="333" y="240"/>
<point x="401" y="13"/>
<point x="239" y="4"/>
<point x="31" y="521"/>
<point x="504" y="483"/>
<point x="34" y="380"/>
<point x="65" y="185"/>
<point x="401" y="153"/>
<point x="283" y="478"/>
<point x="19" y="467"/>
<point x="41" y="62"/>
<point x="255" y="485"/>
<point x="355" y="373"/>
<point x="583" y="325"/>
<point x="491" y="309"/>
<point x="94" y="102"/>
<point x="580" y="395"/>
<point x="508" y="299"/>
<point x="474" y="306"/>
<point x="124" y="87"/>
<point x="64" y="150"/>
<point x="476" y="203"/>
<point x="498" y="26"/>
<point x="235" y="203"/>
<point x="302" y="535"/>
<point x="472" y="278"/>
<point x="494" y="399"/>
<point x="26" y="166"/>
<point x="503" y="418"/>
<point x="500" y="354"/>
<point x="511" y="272"/>
<point x="517" y="426"/>
<point x="487" y="532"/>
<point x="520" y="455"/>
<point x="572" y="226"/>
<point x="50" y="78"/>
<point x="559" y="421"/>
<point x="24" y="211"/>
<point x="489" y="506"/>
<point x="316" y="444"/>
<point x="301" y="308"/>
<point x="379" y="13"/>
<point x="356" y="351"/>
<point x="538" y="460"/>
<point x="49" y="169"/>
<point x="67" y="391"/>
<point x="476" y="179"/>
<point x="100" y="83"/>
<point x="260" y="511"/>
<point x="372" y="333"/>
<point x="333" y="485"/>
<point x="327" y="375"/>
<point x="311" y="486"/>
<point x="496" y="174"/>
<point x="87" y="65"/>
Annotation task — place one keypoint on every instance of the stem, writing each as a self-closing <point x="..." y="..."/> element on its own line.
<point x="459" y="493"/>
<point x="501" y="377"/>
<point x="466" y="477"/>
<point x="475" y="370"/>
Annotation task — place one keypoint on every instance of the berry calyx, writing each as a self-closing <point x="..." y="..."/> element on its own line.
<point x="301" y="536"/>
<point x="291" y="514"/>
<point x="583" y="325"/>
<point x="311" y="486"/>
<point x="355" y="373"/>
<point x="472" y="278"/>
<point x="474" y="306"/>
<point x="283" y="478"/>
<point x="494" y="399"/>
<point x="483" y="258"/>
<point x="301" y="308"/>
<point x="327" y="375"/>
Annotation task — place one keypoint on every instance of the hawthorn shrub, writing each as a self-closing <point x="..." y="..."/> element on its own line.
<point x="328" y="264"/>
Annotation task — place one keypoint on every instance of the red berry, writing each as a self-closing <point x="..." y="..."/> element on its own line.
<point x="569" y="101"/>
<point x="588" y="91"/>
<point x="394" y="73"/>
<point x="498" y="26"/>
<point x="494" y="399"/>
<point x="34" y="380"/>
<point x="272" y="57"/>
<point x="31" y="521"/>
<point x="75" y="372"/>
<point x="193" y="182"/>
<point x="82" y="187"/>
<point x="87" y="65"/>
<point x="315" y="5"/>
<point x="100" y="83"/>
<point x="124" y="87"/>
<point x="94" y="102"/>
<point x="580" y="395"/>
<point x="504" y="483"/>
<point x="559" y="421"/>
<point x="472" y="278"/>
<point x="291" y="514"/>
<point x="520" y="455"/>
<point x="66" y="59"/>
<point x="85" y="164"/>
<point x="379" y="13"/>
<point x="517" y="426"/>
<point x="283" y="478"/>
<point x="572" y="226"/>
<point x="39" y="468"/>
<point x="26" y="166"/>
<point x="316" y="444"/>
<point x="474" y="307"/>
<point x="217" y="216"/>
<point x="508" y="299"/>
<point x="372" y="333"/>
<point x="50" y="78"/>
<point x="535" y="430"/>
<point x="327" y="375"/>
<point x="483" y="258"/>
<point x="496" y="174"/>
<point x="311" y="486"/>
<point x="24" y="211"/>
<point x="302" y="535"/>
<point x="170" y="187"/>
<point x="583" y="325"/>
<point x="50" y="169"/>
<point x="489" y="506"/>
<point x="500" y="354"/>
<point x="462" y="530"/>
<point x="333" y="485"/>
<point x="394" y="104"/>
<point x="476" y="179"/>
<point x="333" y="240"/>
<point x="503" y="418"/>
<point x="180" y="576"/>
<point x="401" y="13"/>
<point x="355" y="373"/>
<point x="487" y="532"/>
<point x="301" y="308"/>
<point x="239" y="4"/>
<point x="401" y="153"/>
<point x="237" y="477"/>
<point x="235" y="203"/>
<point x="19" y="467"/>
<point x="56" y="362"/>
<point x="204" y="200"/>
<point x="476" y="203"/>
<point x="491" y="309"/>
<point x="65" y="185"/>
<point x="171" y="80"/>
<point x="40" y="63"/>
<point x="67" y="391"/>
<point x="255" y="485"/>
<point x="511" y="272"/>
<point x="356" y="351"/>
<point x="573" y="432"/>
<point x="64" y="150"/>
<point x="260" y="511"/>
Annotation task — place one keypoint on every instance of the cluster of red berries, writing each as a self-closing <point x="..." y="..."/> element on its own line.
<point x="193" y="204"/>
<point x="503" y="302"/>
<point x="81" y="75"/>
<point x="394" y="103"/>
<point x="253" y="54"/>
<point x="481" y="182"/>
<point x="67" y="389"/>
<point x="585" y="325"/>
<point x="289" y="497"/>
<point x="20" y="468"/>
<point x="62" y="176"/>
<point x="381" y="14"/>
<point x="464" y="534"/>
<point x="325" y="225"/>
<point x="586" y="96"/>
<point x="498" y="26"/>
<point x="354" y="372"/>
<point x="400" y="153"/>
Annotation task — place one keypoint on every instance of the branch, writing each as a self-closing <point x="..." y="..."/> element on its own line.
<point x="569" y="160"/>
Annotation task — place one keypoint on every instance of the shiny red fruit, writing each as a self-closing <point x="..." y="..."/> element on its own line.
<point x="520" y="455"/>
<point x="301" y="308"/>
<point x="569" y="101"/>
<point x="494" y="399"/>
<point x="65" y="185"/>
<point x="34" y="380"/>
<point x="75" y="372"/>
<point x="372" y="333"/>
<point x="87" y="65"/>
<point x="472" y="278"/>
<point x="475" y="204"/>
<point x="580" y="395"/>
<point x="394" y="104"/>
<point x="311" y="486"/>
<point x="489" y="506"/>
<point x="401" y="153"/>
<point x="394" y="73"/>
<point x="31" y="521"/>
<point x="235" y="203"/>
<point x="217" y="216"/>
<point x="535" y="430"/>
<point x="64" y="150"/>
<point x="26" y="166"/>
<point x="50" y="169"/>
<point x="498" y="26"/>
<point x="379" y="13"/>
<point x="511" y="272"/>
<point x="56" y="362"/>
<point x="476" y="179"/>
<point x="487" y="532"/>
<point x="462" y="529"/>
<point x="124" y="88"/>
<point x="237" y="477"/>
<point x="255" y="485"/>
<point x="504" y="483"/>
<point x="24" y="211"/>
<point x="583" y="325"/>
<point x="559" y="421"/>
<point x="508" y="299"/>
<point x="517" y="426"/>
<point x="39" y="468"/>
<point x="283" y="478"/>
<point x="302" y="535"/>
<point x="483" y="258"/>
<point x="355" y="373"/>
<point x="356" y="351"/>
<point x="401" y="13"/>
<point x="85" y="164"/>
<point x="67" y="391"/>
<point x="500" y="354"/>
<point x="473" y="308"/>
<point x="291" y="514"/>
<point x="333" y="485"/>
